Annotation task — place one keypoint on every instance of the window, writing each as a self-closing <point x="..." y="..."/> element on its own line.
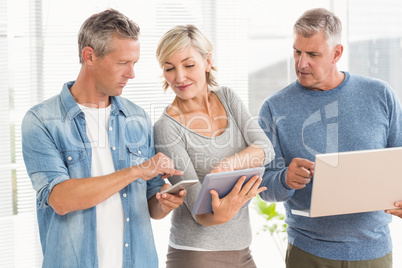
<point x="371" y="38"/>
<point x="39" y="52"/>
<point x="375" y="40"/>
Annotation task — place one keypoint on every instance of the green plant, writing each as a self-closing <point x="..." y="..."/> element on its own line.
<point x="274" y="224"/>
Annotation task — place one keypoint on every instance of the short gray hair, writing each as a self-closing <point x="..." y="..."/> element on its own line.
<point x="98" y="31"/>
<point x="316" y="20"/>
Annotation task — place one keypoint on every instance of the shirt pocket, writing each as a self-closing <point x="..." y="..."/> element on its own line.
<point x="137" y="155"/>
<point x="73" y="157"/>
<point x="73" y="160"/>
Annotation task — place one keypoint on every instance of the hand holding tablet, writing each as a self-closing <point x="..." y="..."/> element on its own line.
<point x="222" y="183"/>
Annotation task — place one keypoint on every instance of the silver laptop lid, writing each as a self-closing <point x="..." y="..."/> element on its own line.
<point x="357" y="181"/>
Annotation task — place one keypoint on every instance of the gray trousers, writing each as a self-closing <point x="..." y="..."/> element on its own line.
<point x="177" y="258"/>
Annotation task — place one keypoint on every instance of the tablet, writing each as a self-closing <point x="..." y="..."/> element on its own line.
<point x="223" y="183"/>
<point x="181" y="185"/>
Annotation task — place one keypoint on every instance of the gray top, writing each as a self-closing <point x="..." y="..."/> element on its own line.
<point x="196" y="155"/>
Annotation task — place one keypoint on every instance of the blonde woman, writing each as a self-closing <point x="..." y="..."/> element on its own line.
<point x="207" y="129"/>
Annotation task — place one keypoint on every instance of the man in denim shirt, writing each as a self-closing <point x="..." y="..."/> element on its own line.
<point x="90" y="156"/>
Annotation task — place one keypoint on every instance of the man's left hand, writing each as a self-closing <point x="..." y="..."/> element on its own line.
<point x="397" y="211"/>
<point x="169" y="202"/>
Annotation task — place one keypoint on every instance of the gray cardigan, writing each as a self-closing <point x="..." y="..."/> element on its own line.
<point x="196" y="155"/>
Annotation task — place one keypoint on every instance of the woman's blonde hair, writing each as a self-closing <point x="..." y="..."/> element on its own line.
<point x="181" y="37"/>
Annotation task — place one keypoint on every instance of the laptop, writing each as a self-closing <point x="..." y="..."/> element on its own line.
<point x="356" y="181"/>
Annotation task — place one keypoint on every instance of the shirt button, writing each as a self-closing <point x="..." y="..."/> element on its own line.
<point x="124" y="195"/>
<point x="126" y="245"/>
<point x="128" y="219"/>
<point x="70" y="158"/>
<point x="110" y="128"/>
<point x="139" y="152"/>
<point x="114" y="148"/>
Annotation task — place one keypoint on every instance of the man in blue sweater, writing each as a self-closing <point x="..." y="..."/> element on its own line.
<point x="326" y="111"/>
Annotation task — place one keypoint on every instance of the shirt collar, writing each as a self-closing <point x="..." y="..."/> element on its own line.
<point x="72" y="109"/>
<point x="117" y="106"/>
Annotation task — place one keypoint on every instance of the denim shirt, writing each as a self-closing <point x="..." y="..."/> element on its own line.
<point x="56" y="148"/>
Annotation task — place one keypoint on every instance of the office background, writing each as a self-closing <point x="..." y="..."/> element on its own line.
<point x="253" y="53"/>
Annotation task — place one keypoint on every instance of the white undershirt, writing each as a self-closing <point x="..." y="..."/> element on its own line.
<point x="109" y="213"/>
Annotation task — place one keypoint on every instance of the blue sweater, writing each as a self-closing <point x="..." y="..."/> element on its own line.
<point x="361" y="113"/>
